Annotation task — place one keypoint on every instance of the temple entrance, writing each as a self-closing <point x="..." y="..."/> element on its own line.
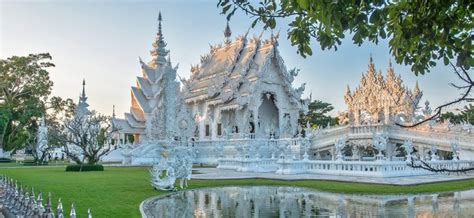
<point x="268" y="117"/>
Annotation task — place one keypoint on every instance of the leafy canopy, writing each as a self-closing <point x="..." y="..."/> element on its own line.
<point x="25" y="85"/>
<point x="466" y="115"/>
<point x="318" y="114"/>
<point x="419" y="32"/>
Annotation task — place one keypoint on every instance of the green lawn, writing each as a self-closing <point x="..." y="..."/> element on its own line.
<point x="117" y="191"/>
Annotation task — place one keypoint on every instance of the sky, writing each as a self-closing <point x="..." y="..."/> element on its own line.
<point x="101" y="40"/>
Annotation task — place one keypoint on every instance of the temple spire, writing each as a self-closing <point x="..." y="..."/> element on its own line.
<point x="83" y="88"/>
<point x="159" y="51"/>
<point x="81" y="108"/>
<point x="159" y="22"/>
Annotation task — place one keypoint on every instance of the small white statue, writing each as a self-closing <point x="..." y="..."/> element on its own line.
<point x="408" y="145"/>
<point x="380" y="142"/>
<point x="434" y="150"/>
<point x="455" y="150"/>
<point x="340" y="144"/>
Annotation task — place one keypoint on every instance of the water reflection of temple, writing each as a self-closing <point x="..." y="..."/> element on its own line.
<point x="301" y="202"/>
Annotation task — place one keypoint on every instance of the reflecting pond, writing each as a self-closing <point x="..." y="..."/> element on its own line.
<point x="273" y="201"/>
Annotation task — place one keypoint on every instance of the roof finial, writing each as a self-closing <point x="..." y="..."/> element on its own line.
<point x="113" y="111"/>
<point x="83" y="88"/>
<point x="227" y="32"/>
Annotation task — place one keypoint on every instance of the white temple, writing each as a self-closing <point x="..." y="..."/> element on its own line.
<point x="239" y="111"/>
<point x="241" y="89"/>
<point x="157" y="110"/>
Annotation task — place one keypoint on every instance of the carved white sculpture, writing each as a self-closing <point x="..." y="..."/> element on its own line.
<point x="172" y="163"/>
<point x="455" y="150"/>
<point x="339" y="145"/>
<point x="42" y="139"/>
<point x="380" y="141"/>
<point x="434" y="153"/>
<point x="408" y="146"/>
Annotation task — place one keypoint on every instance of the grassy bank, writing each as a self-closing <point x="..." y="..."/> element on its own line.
<point x="117" y="191"/>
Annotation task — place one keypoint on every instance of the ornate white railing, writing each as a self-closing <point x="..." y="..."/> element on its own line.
<point x="327" y="137"/>
<point x="249" y="165"/>
<point x="364" y="168"/>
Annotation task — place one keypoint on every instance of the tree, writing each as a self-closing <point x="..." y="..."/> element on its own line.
<point x="24" y="87"/>
<point x="465" y="115"/>
<point x="43" y="142"/>
<point x="85" y="138"/>
<point x="317" y="114"/>
<point x="419" y="32"/>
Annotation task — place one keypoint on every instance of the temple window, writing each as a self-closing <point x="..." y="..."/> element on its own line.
<point x="208" y="132"/>
<point x="219" y="129"/>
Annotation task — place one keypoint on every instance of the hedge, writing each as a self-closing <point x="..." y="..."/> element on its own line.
<point x="34" y="163"/>
<point x="5" y="160"/>
<point x="85" y="167"/>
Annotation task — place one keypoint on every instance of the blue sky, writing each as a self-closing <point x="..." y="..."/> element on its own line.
<point x="102" y="40"/>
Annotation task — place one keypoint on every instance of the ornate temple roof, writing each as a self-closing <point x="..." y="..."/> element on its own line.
<point x="230" y="71"/>
<point x="378" y="93"/>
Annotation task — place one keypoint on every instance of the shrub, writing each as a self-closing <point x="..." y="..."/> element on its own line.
<point x="85" y="167"/>
<point x="5" y="160"/>
<point x="33" y="163"/>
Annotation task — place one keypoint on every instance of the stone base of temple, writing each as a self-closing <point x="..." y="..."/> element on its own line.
<point x="378" y="168"/>
<point x="216" y="173"/>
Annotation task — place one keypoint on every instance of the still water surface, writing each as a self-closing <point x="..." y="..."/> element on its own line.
<point x="269" y="201"/>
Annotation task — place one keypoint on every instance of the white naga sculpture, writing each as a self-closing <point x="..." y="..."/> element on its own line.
<point x="172" y="163"/>
<point x="380" y="142"/>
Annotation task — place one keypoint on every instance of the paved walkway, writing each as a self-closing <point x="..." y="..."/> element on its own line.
<point x="214" y="173"/>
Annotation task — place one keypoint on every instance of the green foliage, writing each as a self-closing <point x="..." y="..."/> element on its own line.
<point x="5" y="160"/>
<point x="419" y="32"/>
<point x="318" y="114"/>
<point x="84" y="168"/>
<point x="465" y="115"/>
<point x="25" y="84"/>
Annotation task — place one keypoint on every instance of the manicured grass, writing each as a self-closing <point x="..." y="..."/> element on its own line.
<point x="118" y="191"/>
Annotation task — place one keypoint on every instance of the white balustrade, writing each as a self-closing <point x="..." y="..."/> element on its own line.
<point x="364" y="168"/>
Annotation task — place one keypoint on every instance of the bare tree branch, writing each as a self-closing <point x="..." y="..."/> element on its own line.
<point x="464" y="76"/>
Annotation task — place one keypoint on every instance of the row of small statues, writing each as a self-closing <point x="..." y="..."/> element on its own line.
<point x="18" y="202"/>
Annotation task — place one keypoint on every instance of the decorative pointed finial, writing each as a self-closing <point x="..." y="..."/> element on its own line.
<point x="72" y="214"/>
<point x="60" y="211"/>
<point x="113" y="111"/>
<point x="159" y="22"/>
<point x="83" y="88"/>
<point x="370" y="59"/>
